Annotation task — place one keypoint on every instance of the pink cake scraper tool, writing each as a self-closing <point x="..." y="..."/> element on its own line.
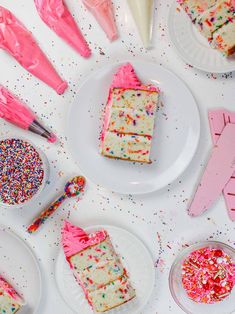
<point x="218" y="172"/>
<point x="218" y="119"/>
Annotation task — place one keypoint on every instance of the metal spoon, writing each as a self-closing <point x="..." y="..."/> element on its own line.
<point x="73" y="188"/>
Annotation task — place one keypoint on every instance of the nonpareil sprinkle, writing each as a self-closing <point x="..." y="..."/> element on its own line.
<point x="21" y="171"/>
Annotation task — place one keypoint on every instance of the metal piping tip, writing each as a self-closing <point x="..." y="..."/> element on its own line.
<point x="37" y="128"/>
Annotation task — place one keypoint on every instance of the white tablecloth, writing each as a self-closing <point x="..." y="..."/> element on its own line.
<point x="159" y="219"/>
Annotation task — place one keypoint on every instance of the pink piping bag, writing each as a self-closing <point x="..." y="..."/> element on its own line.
<point x="57" y="16"/>
<point x="16" y="112"/>
<point x="19" y="42"/>
<point x="103" y="12"/>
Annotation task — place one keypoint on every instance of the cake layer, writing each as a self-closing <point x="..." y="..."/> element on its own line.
<point x="89" y="257"/>
<point x="127" y="147"/>
<point x="194" y="8"/>
<point x="211" y="20"/>
<point x="224" y="38"/>
<point x="131" y="121"/>
<point x="101" y="274"/>
<point x="142" y="100"/>
<point x="7" y="304"/>
<point x="112" y="295"/>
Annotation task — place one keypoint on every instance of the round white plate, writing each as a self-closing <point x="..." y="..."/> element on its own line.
<point x="19" y="266"/>
<point x="192" y="47"/>
<point x="136" y="259"/>
<point x="175" y="140"/>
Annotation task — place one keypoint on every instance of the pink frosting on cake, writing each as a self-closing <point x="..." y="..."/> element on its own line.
<point x="75" y="239"/>
<point x="126" y="77"/>
<point x="5" y="286"/>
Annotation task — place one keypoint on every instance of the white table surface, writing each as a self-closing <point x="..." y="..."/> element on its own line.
<point x="159" y="219"/>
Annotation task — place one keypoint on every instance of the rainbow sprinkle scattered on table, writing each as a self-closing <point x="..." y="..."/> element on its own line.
<point x="21" y="171"/>
<point x="208" y="275"/>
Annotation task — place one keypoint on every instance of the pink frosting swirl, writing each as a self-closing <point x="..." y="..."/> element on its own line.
<point x="75" y="239"/>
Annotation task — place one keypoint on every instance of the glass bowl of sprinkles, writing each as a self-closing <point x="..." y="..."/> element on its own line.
<point x="24" y="171"/>
<point x="202" y="279"/>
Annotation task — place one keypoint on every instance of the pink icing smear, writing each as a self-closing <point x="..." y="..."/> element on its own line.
<point x="13" y="110"/>
<point x="19" y="42"/>
<point x="57" y="16"/>
<point x="8" y="289"/>
<point x="75" y="239"/>
<point x="103" y="12"/>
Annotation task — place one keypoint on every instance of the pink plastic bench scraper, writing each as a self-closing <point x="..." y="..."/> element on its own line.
<point x="218" y="119"/>
<point x="218" y="172"/>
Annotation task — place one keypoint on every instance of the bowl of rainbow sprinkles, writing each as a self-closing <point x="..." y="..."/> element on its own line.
<point x="24" y="171"/>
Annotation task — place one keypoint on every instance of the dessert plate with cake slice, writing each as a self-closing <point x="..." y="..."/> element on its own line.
<point x="203" y="33"/>
<point x="104" y="269"/>
<point x="133" y="128"/>
<point x="20" y="276"/>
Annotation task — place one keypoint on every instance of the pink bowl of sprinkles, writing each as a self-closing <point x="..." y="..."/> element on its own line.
<point x="202" y="279"/>
<point x="23" y="172"/>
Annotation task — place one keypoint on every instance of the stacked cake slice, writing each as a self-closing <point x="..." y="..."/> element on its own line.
<point x="129" y="118"/>
<point x="215" y="19"/>
<point x="10" y="301"/>
<point x="97" y="268"/>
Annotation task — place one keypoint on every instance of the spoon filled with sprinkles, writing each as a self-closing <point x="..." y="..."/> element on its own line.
<point x="72" y="189"/>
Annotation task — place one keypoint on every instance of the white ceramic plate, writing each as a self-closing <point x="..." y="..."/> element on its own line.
<point x="19" y="265"/>
<point x="136" y="259"/>
<point x="176" y="135"/>
<point x="192" y="47"/>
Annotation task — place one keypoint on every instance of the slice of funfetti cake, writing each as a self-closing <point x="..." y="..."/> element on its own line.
<point x="97" y="268"/>
<point x="129" y="118"/>
<point x="10" y="300"/>
<point x="224" y="38"/>
<point x="194" y="8"/>
<point x="214" y="18"/>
